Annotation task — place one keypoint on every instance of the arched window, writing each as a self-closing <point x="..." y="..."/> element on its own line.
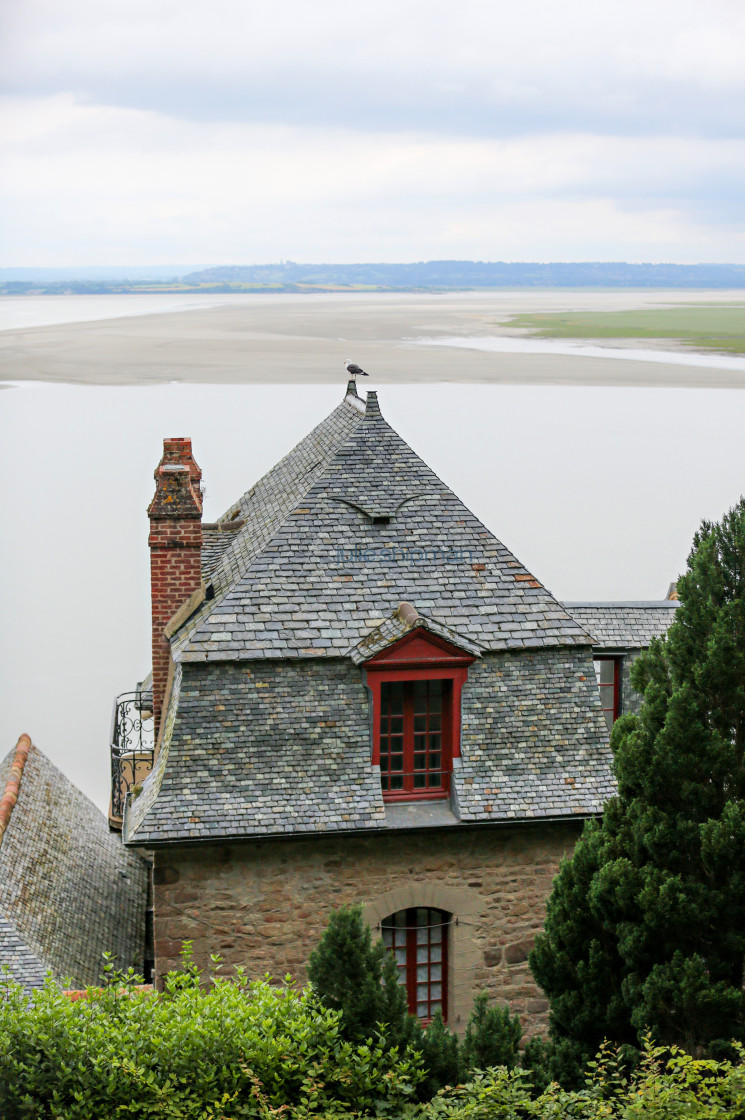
<point x="418" y="939"/>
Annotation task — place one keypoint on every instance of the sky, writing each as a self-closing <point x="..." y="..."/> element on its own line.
<point x="174" y="131"/>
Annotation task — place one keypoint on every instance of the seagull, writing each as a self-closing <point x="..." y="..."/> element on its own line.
<point x="354" y="370"/>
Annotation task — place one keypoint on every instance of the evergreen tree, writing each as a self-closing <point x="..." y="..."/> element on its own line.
<point x="646" y="923"/>
<point x="441" y="1054"/>
<point x="492" y="1037"/>
<point x="353" y="975"/>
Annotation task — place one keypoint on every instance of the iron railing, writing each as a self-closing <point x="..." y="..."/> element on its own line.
<point x="132" y="745"/>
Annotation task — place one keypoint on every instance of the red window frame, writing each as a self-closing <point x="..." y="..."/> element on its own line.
<point x="420" y="656"/>
<point x="612" y="706"/>
<point x="418" y="939"/>
<point x="416" y="759"/>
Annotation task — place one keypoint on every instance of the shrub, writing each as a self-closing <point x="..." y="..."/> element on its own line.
<point x="234" y="1052"/>
<point x="441" y="1058"/>
<point x="357" y="977"/>
<point x="668" y="1085"/>
<point x="492" y="1037"/>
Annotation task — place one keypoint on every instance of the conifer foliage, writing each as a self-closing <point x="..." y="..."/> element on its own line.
<point x="646" y="922"/>
<point x="358" y="977"/>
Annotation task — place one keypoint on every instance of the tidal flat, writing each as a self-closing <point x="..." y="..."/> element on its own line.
<point x="402" y="338"/>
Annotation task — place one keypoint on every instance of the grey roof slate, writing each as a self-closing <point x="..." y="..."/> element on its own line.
<point x="533" y="740"/>
<point x="277" y="747"/>
<point x="311" y="573"/>
<point x="215" y="543"/>
<point x="26" y="968"/>
<point x="69" y="889"/>
<point x="266" y="749"/>
<point x="624" y="625"/>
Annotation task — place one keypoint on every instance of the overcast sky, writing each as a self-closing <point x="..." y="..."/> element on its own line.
<point x="150" y="131"/>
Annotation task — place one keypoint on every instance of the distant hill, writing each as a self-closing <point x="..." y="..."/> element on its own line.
<point x="289" y="276"/>
<point x="478" y="274"/>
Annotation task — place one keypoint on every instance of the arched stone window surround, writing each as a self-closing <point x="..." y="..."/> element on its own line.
<point x="464" y="956"/>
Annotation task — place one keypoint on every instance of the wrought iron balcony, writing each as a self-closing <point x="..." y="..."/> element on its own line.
<point x="132" y="746"/>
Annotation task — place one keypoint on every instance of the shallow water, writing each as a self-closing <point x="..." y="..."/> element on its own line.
<point x="500" y="344"/>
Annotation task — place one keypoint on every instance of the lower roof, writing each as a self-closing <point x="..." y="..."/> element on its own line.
<point x="630" y="625"/>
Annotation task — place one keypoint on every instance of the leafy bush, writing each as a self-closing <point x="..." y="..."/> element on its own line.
<point x="238" y="1051"/>
<point x="668" y="1085"/>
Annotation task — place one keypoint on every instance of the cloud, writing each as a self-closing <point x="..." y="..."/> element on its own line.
<point x="478" y="67"/>
<point x="86" y="183"/>
<point x="152" y="130"/>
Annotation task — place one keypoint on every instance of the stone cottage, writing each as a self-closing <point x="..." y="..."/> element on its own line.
<point x="360" y="695"/>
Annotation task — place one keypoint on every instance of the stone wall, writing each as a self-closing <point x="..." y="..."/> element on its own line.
<point x="264" y="904"/>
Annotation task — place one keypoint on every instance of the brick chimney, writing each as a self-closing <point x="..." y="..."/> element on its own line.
<point x="175" y="550"/>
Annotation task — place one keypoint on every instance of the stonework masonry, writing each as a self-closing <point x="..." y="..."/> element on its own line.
<point x="265" y="904"/>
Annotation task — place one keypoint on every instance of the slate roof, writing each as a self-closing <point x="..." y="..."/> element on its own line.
<point x="26" y="968"/>
<point x="272" y="750"/>
<point x="347" y="526"/>
<point x="69" y="890"/>
<point x="346" y="546"/>
<point x="215" y="542"/>
<point x="624" y="625"/>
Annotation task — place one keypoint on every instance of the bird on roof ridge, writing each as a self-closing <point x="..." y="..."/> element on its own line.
<point x="354" y="370"/>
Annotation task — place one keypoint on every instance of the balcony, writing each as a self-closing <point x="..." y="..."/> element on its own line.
<point x="132" y="746"/>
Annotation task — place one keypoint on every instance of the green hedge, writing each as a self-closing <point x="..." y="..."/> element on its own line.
<point x="235" y="1051"/>
<point x="252" y="1051"/>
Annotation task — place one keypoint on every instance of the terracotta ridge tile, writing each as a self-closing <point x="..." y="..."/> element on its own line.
<point x="13" y="784"/>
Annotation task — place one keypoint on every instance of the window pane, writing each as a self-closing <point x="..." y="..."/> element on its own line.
<point x="419" y="956"/>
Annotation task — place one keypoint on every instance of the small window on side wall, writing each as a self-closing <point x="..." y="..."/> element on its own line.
<point x="418" y="939"/>
<point x="608" y="673"/>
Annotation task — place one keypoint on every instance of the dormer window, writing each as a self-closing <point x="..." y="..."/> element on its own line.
<point x="415" y="737"/>
<point x="416" y="685"/>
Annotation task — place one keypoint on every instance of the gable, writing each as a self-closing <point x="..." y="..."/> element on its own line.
<point x="419" y="647"/>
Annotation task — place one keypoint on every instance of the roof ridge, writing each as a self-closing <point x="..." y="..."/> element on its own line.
<point x="13" y="784"/>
